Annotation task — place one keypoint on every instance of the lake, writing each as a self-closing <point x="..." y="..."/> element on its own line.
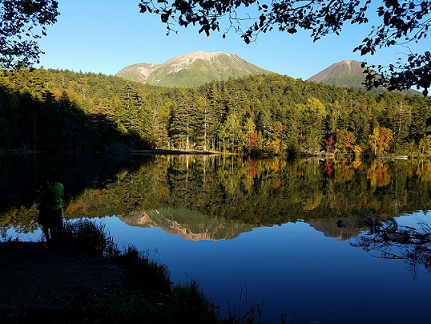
<point x="318" y="241"/>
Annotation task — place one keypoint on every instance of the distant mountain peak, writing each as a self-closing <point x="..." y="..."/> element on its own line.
<point x="352" y="64"/>
<point x="191" y="69"/>
<point x="197" y="55"/>
<point x="348" y="62"/>
<point x="348" y="73"/>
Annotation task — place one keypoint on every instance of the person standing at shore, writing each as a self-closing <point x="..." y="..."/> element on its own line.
<point x="50" y="197"/>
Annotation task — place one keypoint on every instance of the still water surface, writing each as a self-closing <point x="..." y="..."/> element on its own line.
<point x="294" y="267"/>
<point x="295" y="270"/>
<point x="301" y="264"/>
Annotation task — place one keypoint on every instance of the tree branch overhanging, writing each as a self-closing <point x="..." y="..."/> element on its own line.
<point x="22" y="22"/>
<point x="401" y="22"/>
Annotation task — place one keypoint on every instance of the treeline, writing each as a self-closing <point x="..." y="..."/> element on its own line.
<point x="63" y="110"/>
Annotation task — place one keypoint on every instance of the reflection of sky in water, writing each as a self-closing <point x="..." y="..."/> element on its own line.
<point x="292" y="267"/>
<point x="24" y="237"/>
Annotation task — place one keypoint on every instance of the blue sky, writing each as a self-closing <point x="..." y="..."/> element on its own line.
<point x="105" y="36"/>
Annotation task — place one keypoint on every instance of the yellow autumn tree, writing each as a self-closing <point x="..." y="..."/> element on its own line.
<point x="276" y="145"/>
<point x="380" y="140"/>
<point x="345" y="141"/>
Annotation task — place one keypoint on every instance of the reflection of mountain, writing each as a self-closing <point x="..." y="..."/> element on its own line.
<point x="195" y="226"/>
<point x="189" y="224"/>
<point x="341" y="229"/>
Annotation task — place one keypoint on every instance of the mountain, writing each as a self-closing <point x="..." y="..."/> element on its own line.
<point x="191" y="70"/>
<point x="348" y="73"/>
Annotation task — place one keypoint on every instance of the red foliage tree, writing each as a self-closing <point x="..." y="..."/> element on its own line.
<point x="329" y="144"/>
<point x="252" y="142"/>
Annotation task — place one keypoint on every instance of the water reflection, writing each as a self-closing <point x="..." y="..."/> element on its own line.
<point x="256" y="192"/>
<point x="389" y="240"/>
<point x="267" y="222"/>
<point x="294" y="269"/>
<point x="205" y="196"/>
<point x="189" y="224"/>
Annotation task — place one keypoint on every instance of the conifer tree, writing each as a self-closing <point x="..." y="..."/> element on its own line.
<point x="180" y="129"/>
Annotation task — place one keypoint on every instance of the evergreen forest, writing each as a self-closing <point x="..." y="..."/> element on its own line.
<point x="61" y="110"/>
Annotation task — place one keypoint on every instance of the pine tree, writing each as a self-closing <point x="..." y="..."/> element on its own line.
<point x="180" y="128"/>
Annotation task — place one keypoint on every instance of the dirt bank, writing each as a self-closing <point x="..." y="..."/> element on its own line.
<point x="36" y="281"/>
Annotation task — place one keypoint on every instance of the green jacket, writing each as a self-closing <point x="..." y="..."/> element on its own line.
<point x="51" y="197"/>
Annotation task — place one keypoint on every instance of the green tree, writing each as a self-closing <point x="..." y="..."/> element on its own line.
<point x="20" y="21"/>
<point x="232" y="132"/>
<point x="265" y="125"/>
<point x="402" y="122"/>
<point x="204" y="122"/>
<point x="276" y="145"/>
<point x="155" y="126"/>
<point x="312" y="126"/>
<point x="180" y="129"/>
<point x="291" y="129"/>
<point x="425" y="145"/>
<point x="357" y="121"/>
<point x="420" y="113"/>
<point x="131" y="105"/>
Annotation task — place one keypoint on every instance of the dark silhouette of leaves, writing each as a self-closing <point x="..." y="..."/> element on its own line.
<point x="22" y="23"/>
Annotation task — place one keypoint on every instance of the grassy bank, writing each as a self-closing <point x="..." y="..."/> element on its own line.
<point x="142" y="292"/>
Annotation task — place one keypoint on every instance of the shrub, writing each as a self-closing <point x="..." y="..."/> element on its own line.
<point x="145" y="274"/>
<point x="88" y="236"/>
<point x="189" y="304"/>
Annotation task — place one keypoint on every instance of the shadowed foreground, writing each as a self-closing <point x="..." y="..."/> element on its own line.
<point x="38" y="282"/>
<point x="86" y="279"/>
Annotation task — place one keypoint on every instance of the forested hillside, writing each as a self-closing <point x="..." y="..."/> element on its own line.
<point x="67" y="111"/>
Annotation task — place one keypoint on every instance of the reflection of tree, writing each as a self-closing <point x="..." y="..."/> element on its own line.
<point x="344" y="171"/>
<point x="256" y="191"/>
<point x="327" y="169"/>
<point x="378" y="174"/>
<point x="251" y="166"/>
<point x="347" y="171"/>
<point x="312" y="201"/>
<point x="395" y="241"/>
<point x="424" y="172"/>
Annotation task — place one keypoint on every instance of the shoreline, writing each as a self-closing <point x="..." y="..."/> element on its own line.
<point x="68" y="286"/>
